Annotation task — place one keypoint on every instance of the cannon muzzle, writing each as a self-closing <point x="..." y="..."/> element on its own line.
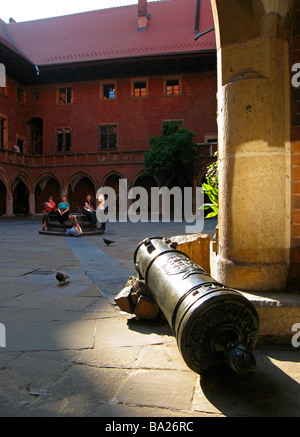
<point x="213" y="325"/>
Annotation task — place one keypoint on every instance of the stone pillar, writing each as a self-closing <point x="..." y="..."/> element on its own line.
<point x="254" y="157"/>
<point x="31" y="204"/>
<point x="9" y="205"/>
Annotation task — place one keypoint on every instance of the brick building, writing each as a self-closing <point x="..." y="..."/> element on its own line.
<point x="85" y="92"/>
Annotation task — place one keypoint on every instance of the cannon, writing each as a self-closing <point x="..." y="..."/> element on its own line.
<point x="215" y="326"/>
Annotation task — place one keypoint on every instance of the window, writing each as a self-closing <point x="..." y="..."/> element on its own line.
<point x="36" y="95"/>
<point x="139" y="88"/>
<point x="63" y="140"/>
<point x="178" y="122"/>
<point x="172" y="87"/>
<point x="108" y="136"/>
<point x="20" y="95"/>
<point x="211" y="138"/>
<point x="65" y="96"/>
<point x="108" y="91"/>
<point x="20" y="144"/>
<point x="3" y="91"/>
<point x="2" y="132"/>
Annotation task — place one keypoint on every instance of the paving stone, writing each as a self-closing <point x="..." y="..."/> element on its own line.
<point x="158" y="388"/>
<point x="18" y="288"/>
<point x="36" y="315"/>
<point x="44" y="406"/>
<point x="80" y="408"/>
<point x="89" y="315"/>
<point x="69" y="289"/>
<point x="13" y="403"/>
<point x="116" y="332"/>
<point x="33" y="372"/>
<point x="119" y="357"/>
<point x="59" y="302"/>
<point x="162" y="357"/>
<point x="86" y="382"/>
<point x="90" y="291"/>
<point x="57" y="335"/>
<point x="6" y="357"/>
<point x="99" y="305"/>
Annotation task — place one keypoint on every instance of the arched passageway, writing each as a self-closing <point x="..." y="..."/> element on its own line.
<point x="78" y="189"/>
<point x="2" y="198"/>
<point x="20" y="198"/>
<point x="146" y="181"/>
<point x="45" y="188"/>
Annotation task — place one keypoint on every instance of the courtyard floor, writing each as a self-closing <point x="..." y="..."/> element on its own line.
<point x="71" y="352"/>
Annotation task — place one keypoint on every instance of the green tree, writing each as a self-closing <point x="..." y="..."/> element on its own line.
<point x="172" y="153"/>
<point x="211" y="188"/>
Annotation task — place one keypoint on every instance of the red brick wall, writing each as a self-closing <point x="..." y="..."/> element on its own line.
<point x="137" y="119"/>
<point x="14" y="112"/>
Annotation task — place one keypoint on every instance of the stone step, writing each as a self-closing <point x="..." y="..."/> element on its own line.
<point x="278" y="313"/>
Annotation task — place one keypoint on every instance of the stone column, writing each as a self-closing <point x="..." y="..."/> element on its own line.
<point x="254" y="159"/>
<point x="31" y="204"/>
<point x="9" y="205"/>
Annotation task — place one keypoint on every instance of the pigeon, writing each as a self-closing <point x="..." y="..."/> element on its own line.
<point x="61" y="277"/>
<point x="107" y="242"/>
<point x="240" y="360"/>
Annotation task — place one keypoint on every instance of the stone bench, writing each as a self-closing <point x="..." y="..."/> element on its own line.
<point x="55" y="228"/>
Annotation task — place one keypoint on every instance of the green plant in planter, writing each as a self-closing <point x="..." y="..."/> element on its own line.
<point x="211" y="188"/>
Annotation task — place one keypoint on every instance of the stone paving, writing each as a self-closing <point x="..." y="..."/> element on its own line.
<point x="70" y="352"/>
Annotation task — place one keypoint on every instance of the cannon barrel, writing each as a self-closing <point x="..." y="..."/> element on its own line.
<point x="213" y="325"/>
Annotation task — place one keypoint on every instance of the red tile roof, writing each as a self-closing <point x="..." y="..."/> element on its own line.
<point x="112" y="33"/>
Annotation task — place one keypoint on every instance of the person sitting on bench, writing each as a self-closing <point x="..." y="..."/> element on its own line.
<point x="89" y="210"/>
<point x="63" y="210"/>
<point x="49" y="207"/>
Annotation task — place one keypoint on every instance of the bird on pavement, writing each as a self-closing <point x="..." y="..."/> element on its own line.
<point x="61" y="277"/>
<point x="107" y="242"/>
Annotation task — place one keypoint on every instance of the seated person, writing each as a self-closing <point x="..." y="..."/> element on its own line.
<point x="63" y="210"/>
<point x="75" y="230"/>
<point x="49" y="207"/>
<point x="100" y="209"/>
<point x="89" y="210"/>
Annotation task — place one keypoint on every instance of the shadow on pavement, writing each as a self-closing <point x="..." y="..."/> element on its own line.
<point x="269" y="392"/>
<point x="159" y="327"/>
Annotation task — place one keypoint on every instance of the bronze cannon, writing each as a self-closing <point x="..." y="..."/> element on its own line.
<point x="213" y="325"/>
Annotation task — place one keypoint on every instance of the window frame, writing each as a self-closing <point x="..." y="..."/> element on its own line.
<point x="59" y="99"/>
<point x="116" y="125"/>
<point x="166" y="79"/>
<point x="35" y="96"/>
<point x="63" y="131"/>
<point x="22" y="138"/>
<point x="3" y="91"/>
<point x="179" y="120"/>
<point x="211" y="138"/>
<point x="3" y="132"/>
<point x="108" y="82"/>
<point x="136" y="80"/>
<point x="21" y="89"/>
<point x="4" y="135"/>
